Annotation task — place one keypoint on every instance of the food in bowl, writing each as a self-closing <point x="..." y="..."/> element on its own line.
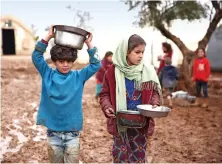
<point x="149" y="111"/>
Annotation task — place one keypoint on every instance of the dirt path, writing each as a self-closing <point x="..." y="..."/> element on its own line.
<point x="186" y="135"/>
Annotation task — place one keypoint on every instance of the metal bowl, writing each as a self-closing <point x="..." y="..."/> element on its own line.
<point x="69" y="36"/>
<point x="147" y="110"/>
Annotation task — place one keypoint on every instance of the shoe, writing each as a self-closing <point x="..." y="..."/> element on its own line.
<point x="197" y="102"/>
<point x="205" y="104"/>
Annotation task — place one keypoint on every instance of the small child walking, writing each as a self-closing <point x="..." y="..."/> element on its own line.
<point x="106" y="63"/>
<point x="169" y="76"/>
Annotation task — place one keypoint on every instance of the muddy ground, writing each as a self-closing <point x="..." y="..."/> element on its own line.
<point x="188" y="134"/>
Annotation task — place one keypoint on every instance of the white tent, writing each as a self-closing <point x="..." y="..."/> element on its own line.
<point x="214" y="50"/>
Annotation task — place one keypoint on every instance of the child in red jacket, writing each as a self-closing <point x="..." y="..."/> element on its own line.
<point x="126" y="84"/>
<point x="201" y="73"/>
<point x="106" y="63"/>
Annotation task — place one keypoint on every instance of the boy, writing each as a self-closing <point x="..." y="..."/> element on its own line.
<point x="60" y="107"/>
<point x="169" y="76"/>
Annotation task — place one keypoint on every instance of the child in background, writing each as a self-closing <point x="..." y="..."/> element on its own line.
<point x="169" y="76"/>
<point x="168" y="52"/>
<point x="60" y="109"/>
<point x="106" y="63"/>
<point x="201" y="73"/>
<point x="127" y="84"/>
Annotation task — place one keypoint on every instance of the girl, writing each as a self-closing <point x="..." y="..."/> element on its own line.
<point x="126" y="84"/>
<point x="201" y="73"/>
<point x="168" y="52"/>
<point x="106" y="63"/>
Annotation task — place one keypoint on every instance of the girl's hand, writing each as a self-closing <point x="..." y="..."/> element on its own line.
<point x="154" y="106"/>
<point x="110" y="113"/>
<point x="50" y="34"/>
<point x="160" y="58"/>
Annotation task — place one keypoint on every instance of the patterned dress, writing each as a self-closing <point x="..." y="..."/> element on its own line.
<point x="133" y="148"/>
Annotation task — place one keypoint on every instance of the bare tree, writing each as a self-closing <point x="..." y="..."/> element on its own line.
<point x="81" y="18"/>
<point x="160" y="15"/>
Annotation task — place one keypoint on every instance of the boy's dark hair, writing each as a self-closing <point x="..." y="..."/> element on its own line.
<point x="108" y="53"/>
<point x="63" y="53"/>
<point x="168" y="47"/>
<point x="134" y="41"/>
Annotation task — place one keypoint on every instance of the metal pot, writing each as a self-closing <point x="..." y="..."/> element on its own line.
<point x="69" y="36"/>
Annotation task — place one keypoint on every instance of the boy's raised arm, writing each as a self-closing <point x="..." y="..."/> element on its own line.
<point x="38" y="59"/>
<point x="37" y="55"/>
<point x="94" y="60"/>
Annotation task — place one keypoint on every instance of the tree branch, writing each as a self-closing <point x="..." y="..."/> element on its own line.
<point x="212" y="27"/>
<point x="172" y="37"/>
<point x="216" y="5"/>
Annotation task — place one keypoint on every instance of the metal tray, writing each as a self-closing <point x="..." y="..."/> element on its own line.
<point x="147" y="110"/>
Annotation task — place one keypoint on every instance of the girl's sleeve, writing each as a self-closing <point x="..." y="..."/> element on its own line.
<point x="94" y="65"/>
<point x="104" y="96"/>
<point x="38" y="59"/>
<point x="155" y="100"/>
<point x="207" y="69"/>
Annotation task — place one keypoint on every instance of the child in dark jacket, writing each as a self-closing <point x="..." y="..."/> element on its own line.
<point x="60" y="109"/>
<point x="201" y="73"/>
<point x="106" y="63"/>
<point x="169" y="76"/>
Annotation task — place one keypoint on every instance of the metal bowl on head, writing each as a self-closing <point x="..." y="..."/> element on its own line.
<point x="69" y="36"/>
<point x="149" y="111"/>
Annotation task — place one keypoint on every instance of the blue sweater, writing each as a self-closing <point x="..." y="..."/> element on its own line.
<point x="133" y="96"/>
<point x="61" y="98"/>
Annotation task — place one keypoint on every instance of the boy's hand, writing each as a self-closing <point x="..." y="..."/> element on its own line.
<point x="88" y="41"/>
<point x="110" y="112"/>
<point x="50" y="35"/>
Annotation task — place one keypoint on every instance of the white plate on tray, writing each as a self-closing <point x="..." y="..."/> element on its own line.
<point x="149" y="111"/>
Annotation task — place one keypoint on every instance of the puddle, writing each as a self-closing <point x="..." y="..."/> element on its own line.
<point x="5" y="141"/>
<point x="41" y="135"/>
<point x="34" y="104"/>
<point x="15" y="124"/>
<point x="35" y="115"/>
<point x="20" y="136"/>
<point x="5" y="149"/>
<point x="39" y="138"/>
